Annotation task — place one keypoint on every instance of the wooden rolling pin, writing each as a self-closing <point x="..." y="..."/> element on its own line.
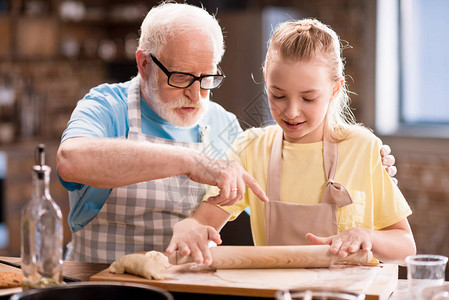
<point x="265" y="257"/>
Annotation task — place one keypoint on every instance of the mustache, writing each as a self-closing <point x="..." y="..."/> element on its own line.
<point x="185" y="102"/>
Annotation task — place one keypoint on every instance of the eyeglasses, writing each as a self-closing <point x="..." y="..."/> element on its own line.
<point x="184" y="80"/>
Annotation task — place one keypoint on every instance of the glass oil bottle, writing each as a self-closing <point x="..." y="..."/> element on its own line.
<point x="42" y="236"/>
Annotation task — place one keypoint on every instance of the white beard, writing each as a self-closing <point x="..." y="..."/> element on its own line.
<point x="167" y="110"/>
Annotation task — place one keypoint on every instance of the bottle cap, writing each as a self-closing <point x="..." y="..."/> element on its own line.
<point x="40" y="155"/>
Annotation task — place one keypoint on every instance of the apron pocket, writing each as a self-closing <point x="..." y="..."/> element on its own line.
<point x="352" y="215"/>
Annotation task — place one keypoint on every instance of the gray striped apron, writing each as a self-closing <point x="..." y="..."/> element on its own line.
<point x="139" y="217"/>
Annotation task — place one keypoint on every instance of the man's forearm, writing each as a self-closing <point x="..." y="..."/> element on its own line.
<point x="109" y="163"/>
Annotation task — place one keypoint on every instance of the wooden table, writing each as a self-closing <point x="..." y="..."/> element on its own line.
<point x="84" y="271"/>
<point x="75" y="271"/>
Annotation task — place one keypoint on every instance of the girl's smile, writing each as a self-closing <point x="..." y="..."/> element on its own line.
<point x="293" y="125"/>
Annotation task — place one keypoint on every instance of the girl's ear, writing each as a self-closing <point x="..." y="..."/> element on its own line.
<point x="143" y="64"/>
<point x="337" y="87"/>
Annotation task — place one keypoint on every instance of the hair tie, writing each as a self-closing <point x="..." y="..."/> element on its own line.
<point x="303" y="27"/>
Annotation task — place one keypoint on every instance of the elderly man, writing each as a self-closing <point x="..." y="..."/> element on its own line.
<point x="138" y="156"/>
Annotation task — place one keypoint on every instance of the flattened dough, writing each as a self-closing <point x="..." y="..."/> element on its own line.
<point x="315" y="277"/>
<point x="268" y="277"/>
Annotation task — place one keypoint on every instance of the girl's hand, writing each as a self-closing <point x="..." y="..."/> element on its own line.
<point x="349" y="241"/>
<point x="192" y="238"/>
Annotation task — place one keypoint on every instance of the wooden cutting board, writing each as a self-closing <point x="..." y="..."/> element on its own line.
<point x="377" y="282"/>
<point x="9" y="291"/>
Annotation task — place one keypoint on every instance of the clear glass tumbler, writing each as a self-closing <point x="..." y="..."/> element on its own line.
<point x="423" y="271"/>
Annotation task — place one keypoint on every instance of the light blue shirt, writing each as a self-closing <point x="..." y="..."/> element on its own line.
<point x="103" y="113"/>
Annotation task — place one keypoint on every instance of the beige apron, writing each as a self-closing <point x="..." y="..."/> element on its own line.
<point x="139" y="217"/>
<point x="288" y="223"/>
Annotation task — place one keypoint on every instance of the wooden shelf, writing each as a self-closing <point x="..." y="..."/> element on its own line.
<point x="32" y="32"/>
<point x="5" y="33"/>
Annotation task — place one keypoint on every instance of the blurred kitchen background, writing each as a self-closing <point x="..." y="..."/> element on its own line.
<point x="53" y="51"/>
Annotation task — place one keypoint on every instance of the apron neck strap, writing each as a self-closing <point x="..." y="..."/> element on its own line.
<point x="134" y="112"/>
<point x="274" y="168"/>
<point x="330" y="158"/>
<point x="334" y="192"/>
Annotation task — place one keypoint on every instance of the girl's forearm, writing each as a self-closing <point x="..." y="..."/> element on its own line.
<point x="211" y="215"/>
<point x="394" y="243"/>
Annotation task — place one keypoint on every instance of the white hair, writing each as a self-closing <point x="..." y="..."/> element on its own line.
<point x="167" y="20"/>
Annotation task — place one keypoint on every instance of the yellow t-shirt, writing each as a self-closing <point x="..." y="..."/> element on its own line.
<point x="377" y="201"/>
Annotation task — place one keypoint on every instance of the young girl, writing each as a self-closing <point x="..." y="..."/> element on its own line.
<point x="322" y="172"/>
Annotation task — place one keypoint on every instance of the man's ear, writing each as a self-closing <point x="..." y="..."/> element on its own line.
<point x="143" y="64"/>
<point x="337" y="87"/>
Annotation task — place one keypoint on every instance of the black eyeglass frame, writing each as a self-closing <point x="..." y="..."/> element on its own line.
<point x="195" y="78"/>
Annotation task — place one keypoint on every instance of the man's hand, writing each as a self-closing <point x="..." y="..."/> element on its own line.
<point x="192" y="238"/>
<point x="349" y="241"/>
<point x="228" y="176"/>
<point x="388" y="161"/>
